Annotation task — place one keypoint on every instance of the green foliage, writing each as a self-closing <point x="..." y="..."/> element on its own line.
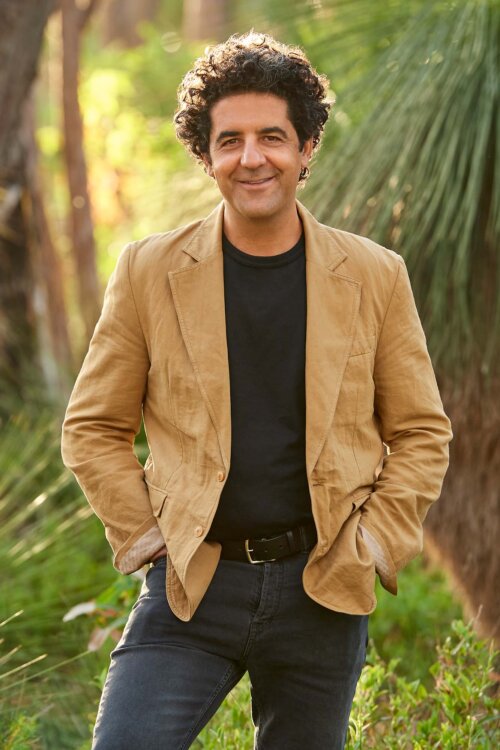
<point x="52" y="554"/>
<point x="420" y="173"/>
<point x="109" y="611"/>
<point x="232" y="726"/>
<point x="409" y="159"/>
<point x="343" y="38"/>
<point x="420" y="615"/>
<point x="56" y="558"/>
<point x="459" y="712"/>
<point x="135" y="165"/>
<point x="21" y="734"/>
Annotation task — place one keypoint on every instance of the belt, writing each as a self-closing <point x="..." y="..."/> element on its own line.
<point x="300" y="539"/>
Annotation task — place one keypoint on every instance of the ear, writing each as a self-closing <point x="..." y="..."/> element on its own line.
<point x="306" y="152"/>
<point x="208" y="165"/>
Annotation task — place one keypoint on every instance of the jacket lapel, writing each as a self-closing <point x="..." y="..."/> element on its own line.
<point x="332" y="307"/>
<point x="198" y="293"/>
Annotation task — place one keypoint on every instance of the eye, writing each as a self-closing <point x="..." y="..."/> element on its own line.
<point x="229" y="142"/>
<point x="272" y="138"/>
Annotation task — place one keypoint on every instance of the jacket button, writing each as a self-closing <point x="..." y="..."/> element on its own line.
<point x="198" y="531"/>
<point x="221" y="476"/>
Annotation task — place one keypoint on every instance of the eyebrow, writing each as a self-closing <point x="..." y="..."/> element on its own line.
<point x="263" y="131"/>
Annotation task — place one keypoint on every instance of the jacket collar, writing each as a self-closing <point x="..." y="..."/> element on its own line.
<point x="208" y="239"/>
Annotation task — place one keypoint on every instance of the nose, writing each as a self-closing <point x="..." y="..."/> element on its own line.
<point x="251" y="156"/>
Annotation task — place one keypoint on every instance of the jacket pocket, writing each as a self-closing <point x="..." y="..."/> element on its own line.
<point x="359" y="501"/>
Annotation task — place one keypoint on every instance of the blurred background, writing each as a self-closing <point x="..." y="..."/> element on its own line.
<point x="88" y="162"/>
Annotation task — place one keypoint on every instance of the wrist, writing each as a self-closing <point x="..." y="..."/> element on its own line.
<point x="161" y="553"/>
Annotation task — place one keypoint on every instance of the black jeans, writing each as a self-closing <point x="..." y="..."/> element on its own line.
<point x="168" y="677"/>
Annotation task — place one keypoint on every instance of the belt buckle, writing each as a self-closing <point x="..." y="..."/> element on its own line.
<point x="248" y="550"/>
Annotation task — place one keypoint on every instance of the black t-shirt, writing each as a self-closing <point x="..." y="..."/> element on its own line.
<point x="266" y="491"/>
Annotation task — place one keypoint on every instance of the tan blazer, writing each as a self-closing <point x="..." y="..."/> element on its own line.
<point x="159" y="351"/>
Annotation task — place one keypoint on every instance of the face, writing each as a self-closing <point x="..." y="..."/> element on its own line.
<point x="255" y="156"/>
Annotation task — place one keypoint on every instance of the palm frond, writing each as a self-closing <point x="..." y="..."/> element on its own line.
<point x="421" y="173"/>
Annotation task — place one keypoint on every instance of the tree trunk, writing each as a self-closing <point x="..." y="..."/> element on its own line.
<point x="49" y="307"/>
<point x="21" y="34"/>
<point x="120" y="19"/>
<point x="82" y="230"/>
<point x="464" y="525"/>
<point x="205" y="19"/>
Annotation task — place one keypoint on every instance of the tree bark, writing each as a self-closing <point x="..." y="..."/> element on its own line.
<point x="21" y="35"/>
<point x="205" y="19"/>
<point x="81" y="229"/>
<point x="49" y="307"/>
<point x="463" y="527"/>
<point x="120" y="19"/>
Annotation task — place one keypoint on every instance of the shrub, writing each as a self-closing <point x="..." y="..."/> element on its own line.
<point x="459" y="712"/>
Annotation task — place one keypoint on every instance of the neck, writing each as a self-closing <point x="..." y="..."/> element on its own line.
<point x="262" y="236"/>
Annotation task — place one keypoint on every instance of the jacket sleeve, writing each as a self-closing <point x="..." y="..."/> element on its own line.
<point x="102" y="419"/>
<point x="416" y="432"/>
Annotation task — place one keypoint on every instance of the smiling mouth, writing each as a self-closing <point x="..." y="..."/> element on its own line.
<point x="263" y="181"/>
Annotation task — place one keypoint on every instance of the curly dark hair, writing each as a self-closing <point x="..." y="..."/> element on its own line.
<point x="251" y="63"/>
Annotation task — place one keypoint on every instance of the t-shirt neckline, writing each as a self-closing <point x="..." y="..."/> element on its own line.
<point x="278" y="259"/>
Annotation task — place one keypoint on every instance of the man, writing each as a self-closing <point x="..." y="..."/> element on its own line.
<point x="272" y="358"/>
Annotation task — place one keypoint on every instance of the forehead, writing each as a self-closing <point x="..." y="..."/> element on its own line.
<point x="249" y="111"/>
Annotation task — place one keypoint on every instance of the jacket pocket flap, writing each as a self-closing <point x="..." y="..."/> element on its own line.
<point x="363" y="345"/>
<point x="157" y="498"/>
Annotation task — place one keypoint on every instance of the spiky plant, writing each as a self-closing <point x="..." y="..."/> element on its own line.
<point x="420" y="172"/>
<point x="52" y="555"/>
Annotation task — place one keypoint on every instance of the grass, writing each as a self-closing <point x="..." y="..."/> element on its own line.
<point x="51" y="555"/>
